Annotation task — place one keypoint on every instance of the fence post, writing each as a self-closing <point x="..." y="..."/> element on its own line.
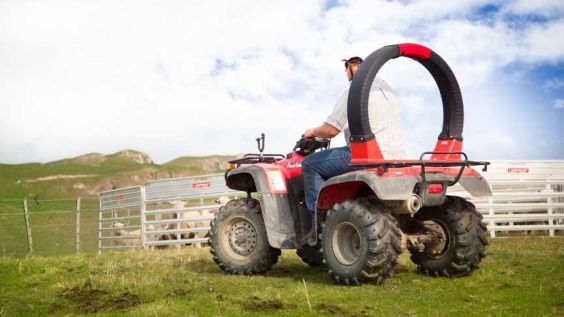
<point x="142" y="222"/>
<point x="492" y="215"/>
<point x="77" y="239"/>
<point x="551" y="222"/>
<point x="27" y="226"/>
<point x="100" y="230"/>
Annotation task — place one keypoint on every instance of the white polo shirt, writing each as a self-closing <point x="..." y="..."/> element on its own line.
<point x="384" y="118"/>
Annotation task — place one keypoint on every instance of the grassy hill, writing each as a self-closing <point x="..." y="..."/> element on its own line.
<point x="51" y="188"/>
<point x="89" y="174"/>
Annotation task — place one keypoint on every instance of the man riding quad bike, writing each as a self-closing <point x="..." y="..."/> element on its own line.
<point x="366" y="217"/>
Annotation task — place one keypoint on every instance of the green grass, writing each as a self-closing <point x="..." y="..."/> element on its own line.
<point x="520" y="277"/>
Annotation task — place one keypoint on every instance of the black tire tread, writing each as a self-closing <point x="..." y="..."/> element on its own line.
<point x="384" y="241"/>
<point x="260" y="263"/>
<point x="469" y="238"/>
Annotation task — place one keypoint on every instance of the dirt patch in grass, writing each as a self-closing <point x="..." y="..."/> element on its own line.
<point x="85" y="298"/>
<point x="331" y="309"/>
<point x="338" y="311"/>
<point x="178" y="291"/>
<point x="256" y="304"/>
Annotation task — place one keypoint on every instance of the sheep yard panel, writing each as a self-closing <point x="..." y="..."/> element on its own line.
<point x="162" y="213"/>
<point x="187" y="188"/>
<point x="119" y="220"/>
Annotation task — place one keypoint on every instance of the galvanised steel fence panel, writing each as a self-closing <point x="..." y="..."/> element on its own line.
<point x="120" y="220"/>
<point x="121" y="198"/>
<point x="187" y="188"/>
<point x="178" y="211"/>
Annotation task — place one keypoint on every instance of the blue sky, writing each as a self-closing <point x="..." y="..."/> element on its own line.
<point x="193" y="78"/>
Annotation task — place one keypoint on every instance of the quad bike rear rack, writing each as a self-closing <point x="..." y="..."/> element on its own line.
<point x="385" y="165"/>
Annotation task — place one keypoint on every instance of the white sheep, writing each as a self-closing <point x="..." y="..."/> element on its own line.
<point x="121" y="232"/>
<point x="173" y="236"/>
<point x="222" y="200"/>
<point x="179" y="204"/>
<point x="196" y="224"/>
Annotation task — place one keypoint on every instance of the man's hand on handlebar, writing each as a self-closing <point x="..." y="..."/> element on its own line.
<point x="306" y="146"/>
<point x="309" y="133"/>
<point x="325" y="131"/>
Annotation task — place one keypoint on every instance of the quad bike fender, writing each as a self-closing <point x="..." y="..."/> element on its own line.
<point x="246" y="179"/>
<point x="346" y="186"/>
<point x="477" y="185"/>
<point x="275" y="208"/>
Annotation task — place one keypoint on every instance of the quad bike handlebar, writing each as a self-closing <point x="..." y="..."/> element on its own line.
<point x="306" y="146"/>
<point x="303" y="147"/>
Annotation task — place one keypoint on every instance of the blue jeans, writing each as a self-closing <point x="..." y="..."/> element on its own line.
<point x="320" y="166"/>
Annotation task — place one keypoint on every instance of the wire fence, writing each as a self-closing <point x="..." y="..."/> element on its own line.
<point x="50" y="224"/>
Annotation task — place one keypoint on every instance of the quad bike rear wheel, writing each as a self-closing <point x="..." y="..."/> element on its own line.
<point x="465" y="244"/>
<point x="238" y="241"/>
<point x="361" y="242"/>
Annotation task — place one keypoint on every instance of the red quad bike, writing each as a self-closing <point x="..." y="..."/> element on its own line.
<point x="364" y="218"/>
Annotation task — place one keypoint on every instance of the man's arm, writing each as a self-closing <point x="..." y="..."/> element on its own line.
<point x="323" y="131"/>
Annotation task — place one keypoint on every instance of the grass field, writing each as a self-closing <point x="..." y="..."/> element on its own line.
<point x="520" y="277"/>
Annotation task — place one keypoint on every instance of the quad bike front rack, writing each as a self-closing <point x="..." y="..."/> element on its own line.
<point x="254" y="158"/>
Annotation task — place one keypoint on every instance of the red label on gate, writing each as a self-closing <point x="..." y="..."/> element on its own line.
<point x="201" y="184"/>
<point x="517" y="170"/>
<point x="119" y="198"/>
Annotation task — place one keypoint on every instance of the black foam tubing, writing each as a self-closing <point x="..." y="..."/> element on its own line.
<point x="359" y="92"/>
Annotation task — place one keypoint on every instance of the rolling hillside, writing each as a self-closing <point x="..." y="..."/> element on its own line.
<point x="89" y="174"/>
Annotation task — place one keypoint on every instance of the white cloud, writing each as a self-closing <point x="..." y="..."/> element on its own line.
<point x="559" y="103"/>
<point x="549" y="8"/>
<point x="553" y="84"/>
<point x="182" y="78"/>
<point x="540" y="43"/>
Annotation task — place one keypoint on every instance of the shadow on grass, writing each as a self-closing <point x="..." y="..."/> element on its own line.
<point x="284" y="269"/>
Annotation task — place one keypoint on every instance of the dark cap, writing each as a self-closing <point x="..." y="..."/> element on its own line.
<point x="352" y="61"/>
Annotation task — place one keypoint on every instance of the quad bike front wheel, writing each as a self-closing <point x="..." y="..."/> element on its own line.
<point x="238" y="241"/>
<point x="464" y="242"/>
<point x="361" y="242"/>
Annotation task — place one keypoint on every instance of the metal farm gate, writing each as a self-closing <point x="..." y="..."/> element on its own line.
<point x="162" y="213"/>
<point x="119" y="219"/>
<point x="527" y="196"/>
